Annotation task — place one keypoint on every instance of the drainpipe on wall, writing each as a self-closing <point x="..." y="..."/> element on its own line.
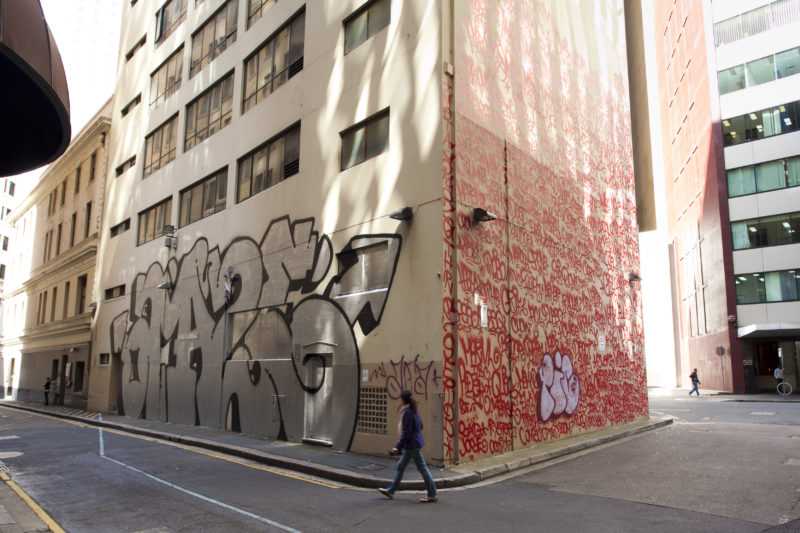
<point x="508" y="289"/>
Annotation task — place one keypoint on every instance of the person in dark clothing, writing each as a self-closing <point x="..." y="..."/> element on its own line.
<point x="47" y="383"/>
<point x="695" y="383"/>
<point x="410" y="445"/>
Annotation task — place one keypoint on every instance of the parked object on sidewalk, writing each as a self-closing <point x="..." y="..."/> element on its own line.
<point x="695" y="383"/>
<point x="410" y="446"/>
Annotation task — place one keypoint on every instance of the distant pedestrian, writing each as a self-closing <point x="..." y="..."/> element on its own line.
<point x="410" y="445"/>
<point x="47" y="383"/>
<point x="695" y="383"/>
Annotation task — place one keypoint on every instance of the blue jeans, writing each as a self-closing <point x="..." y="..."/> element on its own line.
<point x="694" y="388"/>
<point x="416" y="455"/>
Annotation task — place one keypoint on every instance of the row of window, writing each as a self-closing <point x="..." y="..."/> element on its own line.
<point x="43" y="310"/>
<point x="769" y="176"/>
<point x="756" y="21"/>
<point x="766" y="231"/>
<point x="761" y="124"/>
<point x="770" y="68"/>
<point x="266" y="69"/>
<point x="57" y="200"/>
<point x="52" y="240"/>
<point x="768" y="287"/>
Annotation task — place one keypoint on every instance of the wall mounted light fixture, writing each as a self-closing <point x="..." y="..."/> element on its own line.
<point x="480" y="214"/>
<point x="633" y="277"/>
<point x="166" y="285"/>
<point x="405" y="213"/>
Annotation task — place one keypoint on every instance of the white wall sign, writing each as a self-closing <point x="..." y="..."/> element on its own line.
<point x="601" y="343"/>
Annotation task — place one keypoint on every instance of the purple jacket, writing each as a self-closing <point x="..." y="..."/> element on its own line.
<point x="411" y="435"/>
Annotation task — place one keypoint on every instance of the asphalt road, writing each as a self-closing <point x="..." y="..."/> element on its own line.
<point x="721" y="466"/>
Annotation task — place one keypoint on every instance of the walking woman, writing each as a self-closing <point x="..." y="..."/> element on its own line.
<point x="410" y="445"/>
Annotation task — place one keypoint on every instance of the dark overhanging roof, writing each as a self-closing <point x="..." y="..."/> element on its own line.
<point x="34" y="98"/>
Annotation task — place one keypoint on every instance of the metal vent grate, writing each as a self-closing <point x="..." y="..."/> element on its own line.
<point x="372" y="411"/>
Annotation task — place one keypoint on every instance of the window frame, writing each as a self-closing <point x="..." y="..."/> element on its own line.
<point x="217" y="44"/>
<point x="174" y="61"/>
<point x="150" y="166"/>
<point x="362" y="143"/>
<point x="369" y="32"/>
<point x="142" y="232"/>
<point x="192" y="139"/>
<point x="288" y="169"/>
<point x="201" y="186"/>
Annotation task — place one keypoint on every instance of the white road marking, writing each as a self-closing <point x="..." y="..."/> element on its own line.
<point x="9" y="437"/>
<point x="9" y="455"/>
<point x="762" y="413"/>
<point x="205" y="498"/>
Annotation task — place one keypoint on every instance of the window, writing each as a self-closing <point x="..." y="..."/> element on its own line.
<point x="763" y="177"/>
<point x="214" y="36"/>
<point x="43" y="309"/>
<point x="365" y="140"/>
<point x="153" y="220"/>
<point x="5" y="243"/>
<point x="115" y="292"/>
<point x="760" y="124"/>
<point x="269" y="164"/>
<point x="103" y="359"/>
<point x="53" y="304"/>
<point x="277" y="60"/>
<point x="363" y="269"/>
<point x="63" y="193"/>
<point x="74" y="222"/>
<point x="124" y="111"/>
<point x="766" y="287"/>
<point x="93" y="159"/>
<point x="204" y="198"/>
<point x="168" y="17"/>
<point x="2" y="271"/>
<point x="787" y="63"/>
<point x="11" y="187"/>
<point x="88" y="222"/>
<point x="766" y="231"/>
<point x="65" y="309"/>
<point x="58" y="240"/>
<point x="365" y="23"/>
<point x="122" y="227"/>
<point x="760" y="71"/>
<point x="77" y="180"/>
<point x="256" y="8"/>
<point x="731" y="79"/>
<point x="209" y="113"/>
<point x="135" y="47"/>
<point x="80" y="296"/>
<point x="125" y="166"/>
<point x="161" y="146"/>
<point x="167" y="78"/>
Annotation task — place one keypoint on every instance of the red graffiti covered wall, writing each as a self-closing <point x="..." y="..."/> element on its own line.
<point x="538" y="133"/>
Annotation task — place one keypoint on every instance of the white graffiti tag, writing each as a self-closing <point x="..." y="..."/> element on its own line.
<point x="561" y="389"/>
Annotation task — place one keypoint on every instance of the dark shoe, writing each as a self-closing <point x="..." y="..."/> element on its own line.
<point x="386" y="493"/>
<point x="429" y="499"/>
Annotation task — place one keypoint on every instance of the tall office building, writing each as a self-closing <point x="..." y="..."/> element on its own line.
<point x="314" y="206"/>
<point x="725" y="92"/>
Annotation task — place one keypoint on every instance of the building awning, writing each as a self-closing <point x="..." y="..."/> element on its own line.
<point x="35" y="127"/>
<point x="775" y="329"/>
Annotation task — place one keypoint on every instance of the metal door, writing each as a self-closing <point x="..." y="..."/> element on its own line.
<point x="319" y="398"/>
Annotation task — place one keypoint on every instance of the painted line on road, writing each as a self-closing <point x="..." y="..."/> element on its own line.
<point x="223" y="458"/>
<point x="205" y="498"/>
<point x="49" y="522"/>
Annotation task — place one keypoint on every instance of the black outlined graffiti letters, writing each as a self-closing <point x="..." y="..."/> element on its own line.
<point x="272" y="357"/>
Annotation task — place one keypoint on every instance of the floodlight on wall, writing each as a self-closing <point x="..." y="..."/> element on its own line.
<point x="405" y="213"/>
<point x="480" y="214"/>
<point x="170" y="240"/>
<point x="166" y="285"/>
<point x="633" y="277"/>
<point x="92" y="305"/>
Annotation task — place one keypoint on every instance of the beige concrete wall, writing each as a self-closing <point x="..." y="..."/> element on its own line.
<point x="299" y="224"/>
